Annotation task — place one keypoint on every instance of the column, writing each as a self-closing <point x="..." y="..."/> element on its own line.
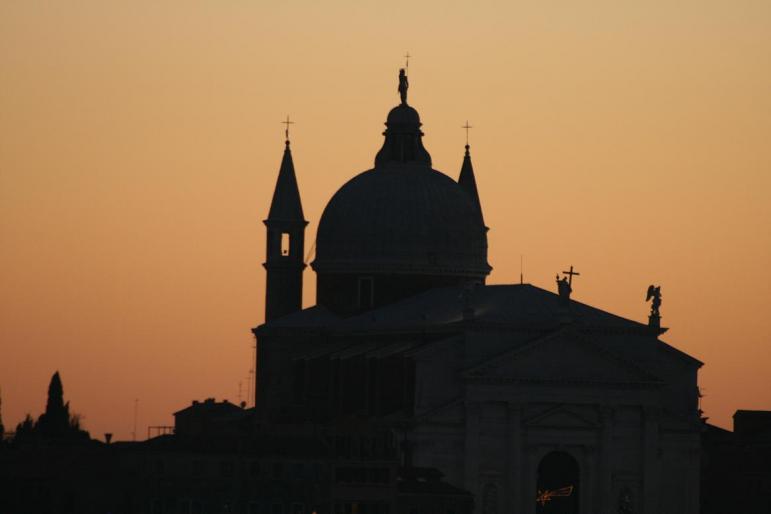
<point x="471" y="461"/>
<point x="514" y="460"/>
<point x="606" y="464"/>
<point x="651" y="477"/>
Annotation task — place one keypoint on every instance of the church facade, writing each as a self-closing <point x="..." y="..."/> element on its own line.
<point x="531" y="401"/>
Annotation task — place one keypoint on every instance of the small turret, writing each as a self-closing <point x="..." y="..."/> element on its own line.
<point x="403" y="138"/>
<point x="467" y="181"/>
<point x="285" y="244"/>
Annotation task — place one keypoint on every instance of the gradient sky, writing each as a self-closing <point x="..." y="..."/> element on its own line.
<point x="140" y="141"/>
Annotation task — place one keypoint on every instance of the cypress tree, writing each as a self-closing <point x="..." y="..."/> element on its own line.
<point x="2" y="428"/>
<point x="55" y="421"/>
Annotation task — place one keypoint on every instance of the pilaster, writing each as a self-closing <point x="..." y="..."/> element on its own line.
<point x="651" y="475"/>
<point x="514" y="460"/>
<point x="472" y="448"/>
<point x="606" y="452"/>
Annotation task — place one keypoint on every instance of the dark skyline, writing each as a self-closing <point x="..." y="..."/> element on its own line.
<point x="138" y="162"/>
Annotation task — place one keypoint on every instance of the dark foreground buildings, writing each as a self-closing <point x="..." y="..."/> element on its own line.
<point x="412" y="386"/>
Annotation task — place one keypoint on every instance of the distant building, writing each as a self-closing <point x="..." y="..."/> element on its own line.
<point x="209" y="419"/>
<point x="736" y="466"/>
<point x="529" y="400"/>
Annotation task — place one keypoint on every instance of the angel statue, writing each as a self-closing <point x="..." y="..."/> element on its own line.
<point x="655" y="294"/>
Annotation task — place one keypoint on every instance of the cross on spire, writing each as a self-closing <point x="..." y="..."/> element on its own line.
<point x="570" y="275"/>
<point x="286" y="130"/>
<point x="407" y="61"/>
<point x="467" y="127"/>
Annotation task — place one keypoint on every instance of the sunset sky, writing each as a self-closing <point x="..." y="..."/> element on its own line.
<point x="140" y="142"/>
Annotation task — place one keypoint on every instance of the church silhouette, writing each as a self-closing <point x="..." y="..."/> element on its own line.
<point x="412" y="386"/>
<point x="527" y="399"/>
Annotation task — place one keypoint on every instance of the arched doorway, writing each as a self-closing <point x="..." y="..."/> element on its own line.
<point x="558" y="484"/>
<point x="490" y="499"/>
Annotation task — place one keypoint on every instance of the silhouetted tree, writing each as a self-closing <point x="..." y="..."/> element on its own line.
<point x="55" y="421"/>
<point x="2" y="428"/>
<point x="25" y="428"/>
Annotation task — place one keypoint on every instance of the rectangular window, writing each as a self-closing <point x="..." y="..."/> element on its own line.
<point x="285" y="240"/>
<point x="298" y="382"/>
<point x="278" y="470"/>
<point x="366" y="292"/>
<point x="197" y="468"/>
<point x="227" y="468"/>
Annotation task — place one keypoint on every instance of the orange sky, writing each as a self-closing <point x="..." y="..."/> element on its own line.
<point x="139" y="145"/>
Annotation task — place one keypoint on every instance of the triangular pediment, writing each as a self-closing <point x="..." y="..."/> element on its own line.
<point x="561" y="417"/>
<point x="451" y="412"/>
<point x="564" y="357"/>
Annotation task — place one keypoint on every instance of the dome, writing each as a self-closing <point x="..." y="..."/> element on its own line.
<point x="402" y="219"/>
<point x="403" y="114"/>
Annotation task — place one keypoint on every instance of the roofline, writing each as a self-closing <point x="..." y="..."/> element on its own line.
<point x="650" y="378"/>
<point x="668" y="347"/>
<point x="455" y="326"/>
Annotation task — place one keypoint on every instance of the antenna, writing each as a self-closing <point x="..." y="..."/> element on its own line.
<point x="136" y="409"/>
<point x="253" y="375"/>
<point x="521" y="269"/>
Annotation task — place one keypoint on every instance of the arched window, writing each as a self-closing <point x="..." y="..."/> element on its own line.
<point x="558" y="484"/>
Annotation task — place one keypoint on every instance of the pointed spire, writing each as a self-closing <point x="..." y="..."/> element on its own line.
<point x="467" y="181"/>
<point x="286" y="204"/>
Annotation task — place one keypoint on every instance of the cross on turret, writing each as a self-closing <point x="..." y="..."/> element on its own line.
<point x="286" y="130"/>
<point x="467" y="127"/>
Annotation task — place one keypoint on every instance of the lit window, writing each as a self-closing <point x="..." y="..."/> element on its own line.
<point x="285" y="243"/>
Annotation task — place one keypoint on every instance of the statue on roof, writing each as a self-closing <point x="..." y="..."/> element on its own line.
<point x="565" y="285"/>
<point x="564" y="288"/>
<point x="403" y="85"/>
<point x="654" y="296"/>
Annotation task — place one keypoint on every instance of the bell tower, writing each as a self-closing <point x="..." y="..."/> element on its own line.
<point x="285" y="234"/>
